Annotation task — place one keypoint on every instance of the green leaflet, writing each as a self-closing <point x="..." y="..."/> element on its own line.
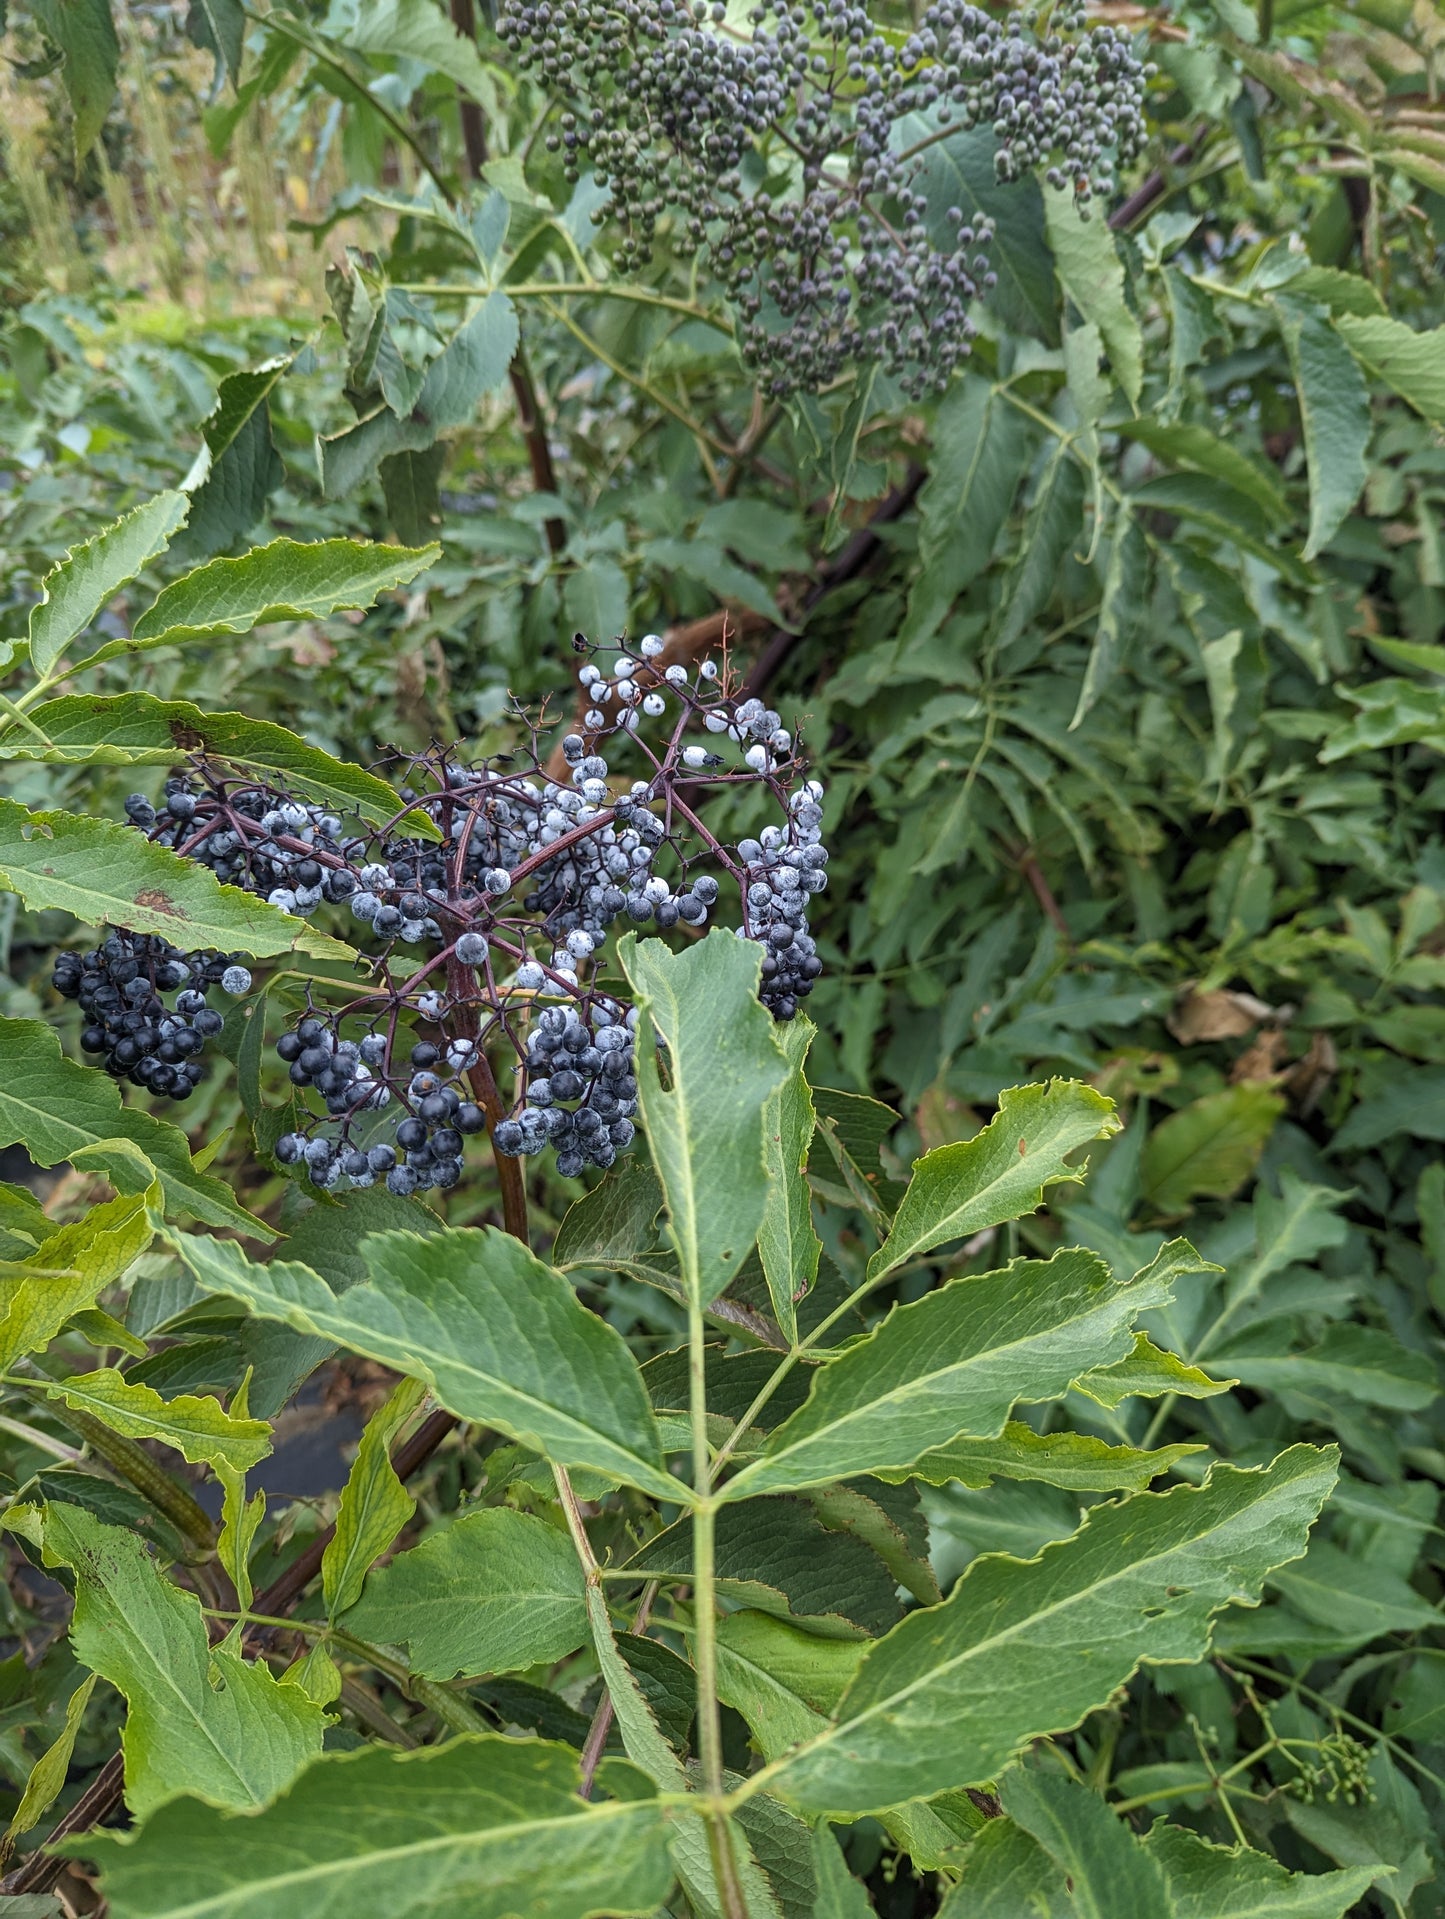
<point x="200" y="1722"/>
<point x="1223" y="1882"/>
<point x="1106" y="1870"/>
<point x="85" y="33"/>
<point x="1410" y="362"/>
<point x="1208" y="1148"/>
<point x="420" y="30"/>
<point x="201" y="1430"/>
<point x="243" y="467"/>
<point x="1087" y="261"/>
<point x="47" y="1775"/>
<point x="69" y="1269"/>
<point x="1086" y="1866"/>
<point x="481" y="1825"/>
<point x="108" y="874"/>
<point x="73" y="592"/>
<point x="134" y="729"/>
<point x="472" y="362"/>
<point x="955" y="1361"/>
<point x="499" y="1337"/>
<point x="615" y="1225"/>
<point x="981" y="446"/>
<point x="1073" y="1460"/>
<point x="1335" y="414"/>
<point x="783" y="1681"/>
<point x="1361" y="1362"/>
<point x="494" y="1592"/>
<point x="374" y="1504"/>
<point x="1195" y="446"/>
<point x="285" y="580"/>
<point x="998" y="1175"/>
<point x="57" y="1109"/>
<point x="1146" y="1373"/>
<point x="1026" y="1647"/>
<point x="705" y="1128"/>
<point x="788" y="1243"/>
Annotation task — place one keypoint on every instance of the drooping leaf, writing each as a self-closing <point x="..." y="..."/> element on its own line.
<point x="504" y="1829"/>
<point x="1120" y="610"/>
<point x="998" y="1175"/>
<point x="979" y="456"/>
<point x="57" y="1109"/>
<point x="955" y="1361"/>
<point x="1072" y="1460"/>
<point x="286" y="580"/>
<point x="1054" y="524"/>
<point x="1334" y="413"/>
<point x="203" y="1722"/>
<point x="85" y="33"/>
<point x="473" y="361"/>
<point x="75" y="590"/>
<point x="1087" y="261"/>
<point x="496" y="1591"/>
<point x="374" y="1505"/>
<point x="218" y="27"/>
<point x="1024" y="1648"/>
<point x="108" y="874"/>
<point x="244" y="467"/>
<point x="959" y="172"/>
<point x="1195" y="446"/>
<point x="201" y="1430"/>
<point x="499" y="1337"/>
<point x="705" y="1128"/>
<point x="47" y="1775"/>
<point x="788" y="1243"/>
<point x="69" y="1270"/>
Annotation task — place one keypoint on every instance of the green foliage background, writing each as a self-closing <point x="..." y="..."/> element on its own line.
<point x="1129" y="707"/>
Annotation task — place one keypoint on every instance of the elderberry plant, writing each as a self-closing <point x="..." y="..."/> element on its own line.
<point x="791" y="155"/>
<point x="492" y="930"/>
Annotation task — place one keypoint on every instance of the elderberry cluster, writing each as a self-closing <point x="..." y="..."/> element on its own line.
<point x="480" y="910"/>
<point x="121" y="987"/>
<point x="803" y="158"/>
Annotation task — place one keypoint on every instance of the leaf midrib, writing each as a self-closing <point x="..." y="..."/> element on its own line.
<point x="1012" y="1631"/>
<point x="366" y="1862"/>
<point x="905" y="1388"/>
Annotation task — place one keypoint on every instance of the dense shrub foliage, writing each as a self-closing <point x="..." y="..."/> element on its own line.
<point x="495" y="511"/>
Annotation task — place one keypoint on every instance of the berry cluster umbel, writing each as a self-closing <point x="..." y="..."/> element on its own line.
<point x="797" y="155"/>
<point x="481" y="912"/>
<point x="122" y="988"/>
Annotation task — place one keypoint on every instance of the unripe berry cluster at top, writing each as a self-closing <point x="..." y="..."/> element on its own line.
<point x="795" y="155"/>
<point x="486" y="934"/>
